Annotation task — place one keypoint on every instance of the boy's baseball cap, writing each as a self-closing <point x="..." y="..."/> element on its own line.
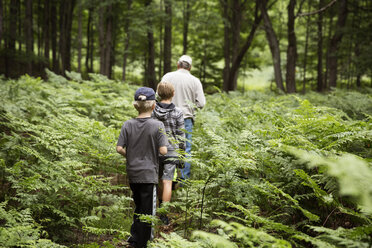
<point x="146" y="94"/>
<point x="185" y="58"/>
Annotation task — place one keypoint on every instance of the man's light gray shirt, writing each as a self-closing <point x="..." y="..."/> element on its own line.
<point x="188" y="91"/>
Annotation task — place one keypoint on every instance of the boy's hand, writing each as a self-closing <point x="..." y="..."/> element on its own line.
<point x="163" y="150"/>
<point x="121" y="150"/>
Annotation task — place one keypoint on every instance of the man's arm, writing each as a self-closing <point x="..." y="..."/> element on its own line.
<point x="199" y="95"/>
<point x="163" y="150"/>
<point x="121" y="150"/>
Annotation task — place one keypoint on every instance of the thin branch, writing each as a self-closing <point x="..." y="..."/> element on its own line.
<point x="317" y="11"/>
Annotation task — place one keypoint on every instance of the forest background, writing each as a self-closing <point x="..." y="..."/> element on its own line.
<point x="270" y="169"/>
<point x="308" y="44"/>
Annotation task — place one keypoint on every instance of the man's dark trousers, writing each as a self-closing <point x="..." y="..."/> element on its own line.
<point x="144" y="196"/>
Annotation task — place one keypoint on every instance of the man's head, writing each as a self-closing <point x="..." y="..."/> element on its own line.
<point x="184" y="62"/>
<point x="165" y="90"/>
<point x="144" y="100"/>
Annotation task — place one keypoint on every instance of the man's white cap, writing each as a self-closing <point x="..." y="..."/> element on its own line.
<point x="185" y="58"/>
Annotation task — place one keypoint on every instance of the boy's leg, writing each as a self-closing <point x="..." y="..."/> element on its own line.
<point x="144" y="196"/>
<point x="167" y="178"/>
<point x="167" y="190"/>
<point x="186" y="172"/>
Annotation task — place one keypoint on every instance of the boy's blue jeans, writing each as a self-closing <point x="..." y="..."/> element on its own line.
<point x="185" y="172"/>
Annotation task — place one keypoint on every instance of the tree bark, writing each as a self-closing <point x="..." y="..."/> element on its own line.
<point x="335" y="42"/>
<point x="80" y="36"/>
<point x="274" y="46"/>
<point x="13" y="13"/>
<point x="167" y="36"/>
<point x="46" y="30"/>
<point x="186" y="21"/>
<point x="29" y="35"/>
<point x="319" y="84"/>
<point x="127" y="39"/>
<point x="53" y="23"/>
<point x="109" y="41"/>
<point x="291" y="50"/>
<point x="89" y="42"/>
<point x="39" y="28"/>
<point x="306" y="51"/>
<point x="150" y="67"/>
<point x="101" y="31"/>
<point x="1" y="22"/>
<point x="66" y="11"/>
<point x="226" y="45"/>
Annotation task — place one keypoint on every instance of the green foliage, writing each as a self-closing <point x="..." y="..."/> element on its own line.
<point x="267" y="170"/>
<point x="280" y="170"/>
<point x="58" y="154"/>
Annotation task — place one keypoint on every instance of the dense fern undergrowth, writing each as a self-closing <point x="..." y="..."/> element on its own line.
<point x="267" y="170"/>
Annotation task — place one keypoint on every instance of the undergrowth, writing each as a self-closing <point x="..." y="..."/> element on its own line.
<point x="267" y="170"/>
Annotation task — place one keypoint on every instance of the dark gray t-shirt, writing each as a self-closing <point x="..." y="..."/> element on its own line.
<point x="142" y="138"/>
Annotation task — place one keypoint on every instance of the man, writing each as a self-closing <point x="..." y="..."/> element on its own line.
<point x="188" y="96"/>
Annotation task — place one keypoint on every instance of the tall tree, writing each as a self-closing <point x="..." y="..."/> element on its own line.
<point x="186" y="21"/>
<point x="54" y="37"/>
<point x="29" y="34"/>
<point x="127" y="38"/>
<point x="167" y="36"/>
<point x="319" y="84"/>
<point x="150" y="76"/>
<point x="239" y="53"/>
<point x="1" y="21"/>
<point x="80" y="35"/>
<point x="66" y="16"/>
<point x="46" y="27"/>
<point x="273" y="44"/>
<point x="90" y="42"/>
<point x="12" y="30"/>
<point x="335" y="43"/>
<point x="291" y="49"/>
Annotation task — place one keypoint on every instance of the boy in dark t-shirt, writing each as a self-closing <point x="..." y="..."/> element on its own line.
<point x="141" y="140"/>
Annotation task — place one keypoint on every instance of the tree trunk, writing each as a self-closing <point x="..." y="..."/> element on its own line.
<point x="306" y="50"/>
<point x="167" y="36"/>
<point x="66" y="11"/>
<point x="127" y="40"/>
<point x="1" y="22"/>
<point x="150" y="67"/>
<point x="233" y="75"/>
<point x="29" y="35"/>
<point x="13" y="13"/>
<point x="335" y="42"/>
<point x="53" y="23"/>
<point x="186" y="20"/>
<point x="274" y="46"/>
<point x="39" y="28"/>
<point x="89" y="40"/>
<point x="19" y="24"/>
<point x="109" y="41"/>
<point x="101" y="31"/>
<point x="80" y="36"/>
<point x="291" y="50"/>
<point x="46" y="30"/>
<point x="320" y="86"/>
<point x="226" y="45"/>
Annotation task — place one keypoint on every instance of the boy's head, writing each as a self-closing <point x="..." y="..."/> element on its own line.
<point x="165" y="90"/>
<point x="144" y="99"/>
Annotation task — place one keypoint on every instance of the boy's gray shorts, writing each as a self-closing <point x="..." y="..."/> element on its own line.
<point x="168" y="171"/>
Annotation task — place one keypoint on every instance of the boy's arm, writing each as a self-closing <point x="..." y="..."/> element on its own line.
<point x="180" y="126"/>
<point x="121" y="150"/>
<point x="163" y="150"/>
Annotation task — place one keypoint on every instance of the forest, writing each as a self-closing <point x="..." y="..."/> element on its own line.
<point x="281" y="153"/>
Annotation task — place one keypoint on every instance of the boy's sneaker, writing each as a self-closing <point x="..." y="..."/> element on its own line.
<point x="164" y="219"/>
